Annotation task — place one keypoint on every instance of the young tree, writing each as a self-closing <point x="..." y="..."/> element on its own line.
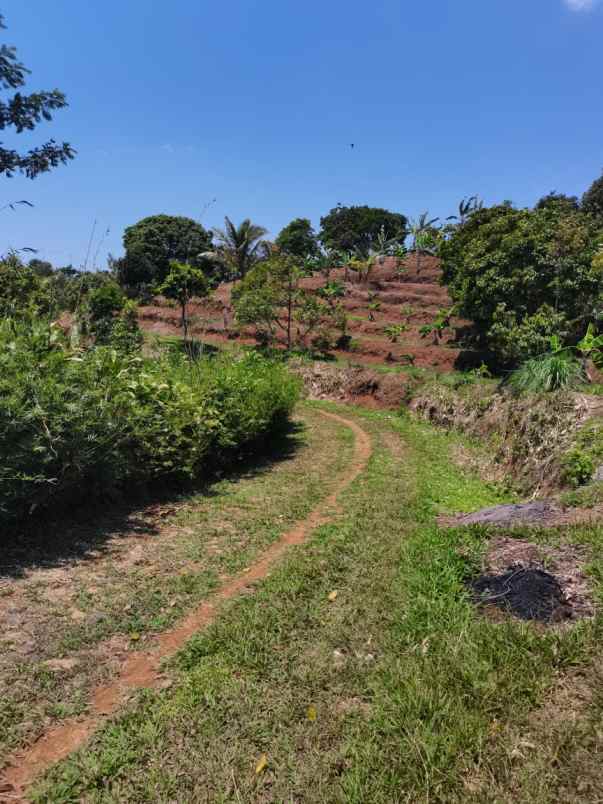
<point x="24" y="113"/>
<point x="152" y="244"/>
<point x="182" y="283"/>
<point x="240" y="246"/>
<point x="358" y="228"/>
<point x="270" y="298"/>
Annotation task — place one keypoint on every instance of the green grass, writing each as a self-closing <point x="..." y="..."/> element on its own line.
<point x="215" y="532"/>
<point x="392" y="692"/>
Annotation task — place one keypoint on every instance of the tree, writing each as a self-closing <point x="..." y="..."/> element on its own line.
<point x="560" y="201"/>
<point x="240" y="246"/>
<point x="24" y="113"/>
<point x="522" y="276"/>
<point x="182" y="283"/>
<point x="299" y="239"/>
<point x="41" y="267"/>
<point x="152" y="244"/>
<point x="358" y="228"/>
<point x="592" y="200"/>
<point x="271" y="298"/>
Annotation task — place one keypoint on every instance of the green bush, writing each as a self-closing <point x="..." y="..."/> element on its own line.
<point x="76" y="424"/>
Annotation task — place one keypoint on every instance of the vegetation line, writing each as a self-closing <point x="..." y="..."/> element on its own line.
<point x="142" y="669"/>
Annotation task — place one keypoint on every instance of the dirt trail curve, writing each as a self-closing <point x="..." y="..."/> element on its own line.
<point x="142" y="669"/>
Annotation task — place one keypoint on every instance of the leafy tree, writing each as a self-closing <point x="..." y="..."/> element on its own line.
<point x="358" y="228"/>
<point x="523" y="275"/>
<point x="592" y="200"/>
<point x="183" y="282"/>
<point x="24" y="113"/>
<point x="154" y="242"/>
<point x="271" y="298"/>
<point x="299" y="239"/>
<point x="240" y="247"/>
<point x="41" y="267"/>
<point x="559" y="201"/>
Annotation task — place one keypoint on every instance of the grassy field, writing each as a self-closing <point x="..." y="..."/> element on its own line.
<point x="359" y="671"/>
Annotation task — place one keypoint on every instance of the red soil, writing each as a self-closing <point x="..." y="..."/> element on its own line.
<point x="412" y="298"/>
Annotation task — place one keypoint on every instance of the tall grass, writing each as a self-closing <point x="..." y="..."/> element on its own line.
<point x="75" y="424"/>
<point x="551" y="372"/>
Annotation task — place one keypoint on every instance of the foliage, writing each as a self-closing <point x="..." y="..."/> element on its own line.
<point x="522" y="276"/>
<point x="240" y="247"/>
<point x="183" y="282"/>
<point x="425" y="237"/>
<point x="359" y="227"/>
<point x="551" y="372"/>
<point x="580" y="462"/>
<point x="393" y="331"/>
<point x="24" y="113"/>
<point x="299" y="239"/>
<point x="558" y="201"/>
<point x="439" y="325"/>
<point x="21" y="290"/>
<point x="74" y="424"/>
<point x="592" y="201"/>
<point x="152" y="244"/>
<point x="271" y="298"/>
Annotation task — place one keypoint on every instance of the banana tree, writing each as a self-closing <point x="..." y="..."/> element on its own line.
<point x="423" y="239"/>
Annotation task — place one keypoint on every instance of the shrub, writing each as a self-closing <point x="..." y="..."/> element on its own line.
<point x="74" y="425"/>
<point x="551" y="372"/>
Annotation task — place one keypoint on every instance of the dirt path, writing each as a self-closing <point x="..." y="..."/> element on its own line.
<point x="142" y="669"/>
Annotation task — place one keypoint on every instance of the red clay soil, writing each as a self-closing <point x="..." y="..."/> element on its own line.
<point x="142" y="669"/>
<point x="411" y="298"/>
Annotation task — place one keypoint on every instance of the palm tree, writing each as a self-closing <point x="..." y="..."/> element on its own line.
<point x="466" y="208"/>
<point x="240" y="246"/>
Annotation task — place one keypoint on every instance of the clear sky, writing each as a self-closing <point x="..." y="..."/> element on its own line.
<point x="254" y="103"/>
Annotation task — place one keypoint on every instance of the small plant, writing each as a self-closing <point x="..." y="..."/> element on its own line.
<point x="577" y="467"/>
<point x="438" y="326"/>
<point x="393" y="331"/>
<point x="374" y="305"/>
<point x="409" y="357"/>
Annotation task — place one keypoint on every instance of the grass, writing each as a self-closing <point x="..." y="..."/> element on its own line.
<point x="394" y="690"/>
<point x="111" y="603"/>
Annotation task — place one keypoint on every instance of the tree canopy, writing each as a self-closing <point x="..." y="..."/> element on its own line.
<point x="23" y="113"/>
<point x="357" y="228"/>
<point x="298" y="238"/>
<point x="524" y="275"/>
<point x="592" y="200"/>
<point x="154" y="242"/>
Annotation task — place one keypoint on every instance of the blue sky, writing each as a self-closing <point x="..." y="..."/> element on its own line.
<point x="255" y="104"/>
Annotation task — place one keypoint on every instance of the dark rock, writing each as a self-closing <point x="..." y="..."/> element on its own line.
<point x="537" y="512"/>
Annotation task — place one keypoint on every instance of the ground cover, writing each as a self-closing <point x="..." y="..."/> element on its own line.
<point x="360" y="670"/>
<point x="72" y="609"/>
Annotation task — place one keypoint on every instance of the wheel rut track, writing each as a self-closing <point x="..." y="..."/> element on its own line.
<point x="142" y="668"/>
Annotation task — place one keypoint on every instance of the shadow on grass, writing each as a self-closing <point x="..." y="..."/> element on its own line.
<point x="81" y="534"/>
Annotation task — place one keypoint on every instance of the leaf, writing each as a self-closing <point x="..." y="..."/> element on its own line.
<point x="262" y="765"/>
<point x="333" y="595"/>
<point x="135" y="637"/>
<point x="312" y="713"/>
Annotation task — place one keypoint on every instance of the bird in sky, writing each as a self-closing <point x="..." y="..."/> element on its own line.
<point x="351" y="145"/>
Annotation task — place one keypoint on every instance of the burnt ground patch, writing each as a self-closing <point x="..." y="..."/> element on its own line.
<point x="527" y="592"/>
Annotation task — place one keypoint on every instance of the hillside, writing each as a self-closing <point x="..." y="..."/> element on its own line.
<point x="405" y="297"/>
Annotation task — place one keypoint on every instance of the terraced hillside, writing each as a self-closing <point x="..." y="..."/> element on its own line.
<point x="404" y="297"/>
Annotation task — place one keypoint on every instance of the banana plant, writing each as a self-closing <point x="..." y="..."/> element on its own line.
<point x="424" y="242"/>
